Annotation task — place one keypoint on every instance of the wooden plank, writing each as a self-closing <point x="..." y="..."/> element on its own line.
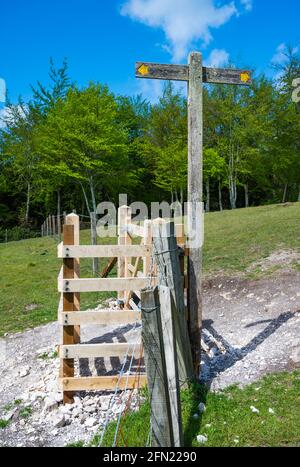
<point x="108" y="268"/>
<point x="227" y="76"/>
<point x="161" y="71"/>
<point x="104" y="383"/>
<point x="134" y="273"/>
<point x="105" y="317"/>
<point x="99" y="350"/>
<point x="195" y="194"/>
<point x="103" y="285"/>
<point x="155" y="363"/>
<point x="182" y="73"/>
<point x="104" y="251"/>
<point x="169" y="338"/>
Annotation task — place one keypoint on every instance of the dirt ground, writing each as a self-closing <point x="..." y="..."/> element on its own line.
<point x="251" y="328"/>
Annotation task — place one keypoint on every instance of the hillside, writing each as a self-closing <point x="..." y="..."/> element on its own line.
<point x="236" y="243"/>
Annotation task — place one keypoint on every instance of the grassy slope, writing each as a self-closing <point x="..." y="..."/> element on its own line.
<point x="233" y="241"/>
<point x="228" y="419"/>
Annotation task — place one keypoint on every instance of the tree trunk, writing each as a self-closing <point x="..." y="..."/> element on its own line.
<point x="58" y="213"/>
<point x="93" y="195"/>
<point x="220" y="197"/>
<point x="232" y="192"/>
<point x="181" y="196"/>
<point x="207" y="196"/>
<point x="285" y="193"/>
<point x="246" y="188"/>
<point x="85" y="198"/>
<point x="27" y="203"/>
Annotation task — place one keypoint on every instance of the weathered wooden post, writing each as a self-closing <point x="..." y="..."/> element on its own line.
<point x="155" y="362"/>
<point x="169" y="274"/>
<point x="195" y="191"/>
<point x="194" y="74"/>
<point x="94" y="242"/>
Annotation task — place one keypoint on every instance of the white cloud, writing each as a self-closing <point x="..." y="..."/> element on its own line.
<point x="6" y="113"/>
<point x="282" y="53"/>
<point x="2" y="90"/>
<point x="3" y="114"/>
<point x="248" y="4"/>
<point x="217" y="58"/>
<point x="183" y="21"/>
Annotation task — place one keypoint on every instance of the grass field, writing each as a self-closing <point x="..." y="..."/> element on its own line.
<point x="233" y="241"/>
<point x="228" y="420"/>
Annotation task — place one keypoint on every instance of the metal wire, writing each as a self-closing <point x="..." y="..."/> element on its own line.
<point x="117" y="388"/>
<point x="126" y="387"/>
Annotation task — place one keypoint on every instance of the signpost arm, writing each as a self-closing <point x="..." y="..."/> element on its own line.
<point x="195" y="163"/>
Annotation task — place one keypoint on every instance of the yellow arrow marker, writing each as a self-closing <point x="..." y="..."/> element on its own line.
<point x="245" y="77"/>
<point x="143" y="70"/>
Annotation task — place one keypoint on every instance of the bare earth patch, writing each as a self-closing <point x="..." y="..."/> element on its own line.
<point x="279" y="258"/>
<point x="251" y="328"/>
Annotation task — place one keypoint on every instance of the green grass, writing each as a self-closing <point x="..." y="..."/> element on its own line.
<point x="236" y="239"/>
<point x="29" y="270"/>
<point x="228" y="420"/>
<point x="3" y="423"/>
<point x="233" y="241"/>
<point x="25" y="412"/>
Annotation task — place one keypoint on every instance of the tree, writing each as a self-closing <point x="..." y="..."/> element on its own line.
<point x="82" y="139"/>
<point x="213" y="169"/>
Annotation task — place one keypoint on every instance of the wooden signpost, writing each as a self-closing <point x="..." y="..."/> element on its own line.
<point x="195" y="74"/>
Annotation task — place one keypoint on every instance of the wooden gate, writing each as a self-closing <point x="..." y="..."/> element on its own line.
<point x="134" y="270"/>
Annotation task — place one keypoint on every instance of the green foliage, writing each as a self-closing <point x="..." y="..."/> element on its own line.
<point x="3" y="423"/>
<point x="25" y="412"/>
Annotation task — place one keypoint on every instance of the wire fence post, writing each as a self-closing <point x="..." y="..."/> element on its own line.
<point x="169" y="330"/>
<point x="169" y="274"/>
<point x="155" y="362"/>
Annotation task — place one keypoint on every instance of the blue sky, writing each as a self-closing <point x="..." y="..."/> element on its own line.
<point x="103" y="38"/>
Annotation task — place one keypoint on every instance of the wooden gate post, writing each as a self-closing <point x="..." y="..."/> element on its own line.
<point x="73" y="219"/>
<point x="168" y="319"/>
<point x="124" y="218"/>
<point x="169" y="274"/>
<point x="94" y="241"/>
<point x="195" y="163"/>
<point x="155" y="362"/>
